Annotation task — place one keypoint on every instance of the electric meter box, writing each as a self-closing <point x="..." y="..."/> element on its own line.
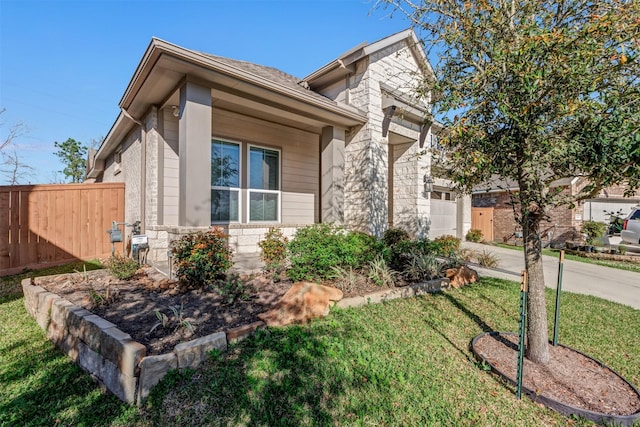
<point x="115" y="235"/>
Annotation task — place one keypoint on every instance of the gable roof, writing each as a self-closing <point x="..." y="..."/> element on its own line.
<point x="165" y="66"/>
<point x="344" y="64"/>
<point x="272" y="74"/>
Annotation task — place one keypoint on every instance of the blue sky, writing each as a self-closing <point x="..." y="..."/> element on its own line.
<point x="64" y="65"/>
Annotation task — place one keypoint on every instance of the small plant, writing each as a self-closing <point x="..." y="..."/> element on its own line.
<point x="202" y="258"/>
<point x="474" y="235"/>
<point x="232" y="289"/>
<point x="466" y="255"/>
<point x="593" y="230"/>
<point x="177" y="322"/>
<point x="380" y="272"/>
<point x="122" y="267"/>
<point x="344" y="279"/>
<point x="100" y="299"/>
<point x="487" y="259"/>
<point x="622" y="249"/>
<point x="446" y="245"/>
<point x="273" y="249"/>
<point x="421" y="267"/>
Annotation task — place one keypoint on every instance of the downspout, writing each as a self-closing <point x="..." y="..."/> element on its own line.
<point x="143" y="169"/>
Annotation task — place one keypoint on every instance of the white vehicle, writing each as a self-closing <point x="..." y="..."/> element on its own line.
<point x="631" y="228"/>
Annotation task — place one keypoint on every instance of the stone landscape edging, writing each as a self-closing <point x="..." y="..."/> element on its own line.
<point x="121" y="364"/>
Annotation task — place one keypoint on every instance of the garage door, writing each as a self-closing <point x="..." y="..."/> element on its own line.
<point x="594" y="210"/>
<point x="443" y="214"/>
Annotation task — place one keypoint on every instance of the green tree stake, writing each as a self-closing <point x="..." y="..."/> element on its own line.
<point x="556" y="318"/>
<point x="523" y="326"/>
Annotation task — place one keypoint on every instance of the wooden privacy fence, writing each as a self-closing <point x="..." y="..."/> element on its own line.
<point x="46" y="225"/>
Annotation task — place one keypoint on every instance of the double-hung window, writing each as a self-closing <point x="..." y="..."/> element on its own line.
<point x="264" y="184"/>
<point x="225" y="181"/>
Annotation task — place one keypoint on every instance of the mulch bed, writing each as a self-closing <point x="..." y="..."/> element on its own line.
<point x="570" y="377"/>
<point x="130" y="304"/>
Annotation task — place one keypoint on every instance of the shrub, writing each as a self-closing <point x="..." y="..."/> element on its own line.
<point x="394" y="235"/>
<point x="593" y="230"/>
<point x="380" y="272"/>
<point x="446" y="245"/>
<point x="421" y="267"/>
<point x="122" y="267"/>
<point x="399" y="254"/>
<point x="474" y="235"/>
<point x="344" y="279"/>
<point x="487" y="259"/>
<point x="273" y="249"/>
<point x="317" y="248"/>
<point x="202" y="258"/>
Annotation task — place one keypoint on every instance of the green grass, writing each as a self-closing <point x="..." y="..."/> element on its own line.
<point x="39" y="386"/>
<point x="406" y="362"/>
<point x="620" y="265"/>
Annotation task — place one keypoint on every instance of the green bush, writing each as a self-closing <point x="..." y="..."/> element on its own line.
<point x="474" y="235"/>
<point x="121" y="267"/>
<point x="317" y="248"/>
<point x="394" y="235"/>
<point x="421" y="266"/>
<point x="593" y="230"/>
<point x="399" y="255"/>
<point x="273" y="249"/>
<point x="446" y="246"/>
<point x="202" y="258"/>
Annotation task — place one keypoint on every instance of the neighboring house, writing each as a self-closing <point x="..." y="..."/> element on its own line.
<point x="492" y="209"/>
<point x="203" y="140"/>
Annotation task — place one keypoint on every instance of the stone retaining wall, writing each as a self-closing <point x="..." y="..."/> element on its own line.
<point x="122" y="364"/>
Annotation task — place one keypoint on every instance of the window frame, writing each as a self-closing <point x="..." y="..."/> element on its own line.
<point x="262" y="191"/>
<point x="224" y="188"/>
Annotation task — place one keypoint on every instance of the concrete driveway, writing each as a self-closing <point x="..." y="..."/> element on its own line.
<point x="609" y="283"/>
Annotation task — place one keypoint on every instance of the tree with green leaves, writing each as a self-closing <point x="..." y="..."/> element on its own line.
<point x="72" y="154"/>
<point x="532" y="92"/>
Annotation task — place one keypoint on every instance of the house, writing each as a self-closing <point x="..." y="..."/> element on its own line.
<point x="204" y="140"/>
<point x="492" y="212"/>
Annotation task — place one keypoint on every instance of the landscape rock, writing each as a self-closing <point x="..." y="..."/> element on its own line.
<point x="461" y="276"/>
<point x="303" y="302"/>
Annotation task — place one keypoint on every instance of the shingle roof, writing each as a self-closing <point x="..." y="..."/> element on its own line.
<point x="269" y="73"/>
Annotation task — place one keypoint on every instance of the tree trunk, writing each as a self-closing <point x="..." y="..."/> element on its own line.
<point x="537" y="329"/>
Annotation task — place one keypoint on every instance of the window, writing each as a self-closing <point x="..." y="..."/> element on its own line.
<point x="264" y="184"/>
<point x="225" y="181"/>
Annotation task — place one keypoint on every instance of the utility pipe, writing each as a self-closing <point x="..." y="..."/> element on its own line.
<point x="143" y="168"/>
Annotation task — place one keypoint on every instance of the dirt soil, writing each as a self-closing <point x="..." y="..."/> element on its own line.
<point x="131" y="304"/>
<point x="569" y="377"/>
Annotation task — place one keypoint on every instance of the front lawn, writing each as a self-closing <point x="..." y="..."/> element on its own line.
<point x="406" y="362"/>
<point x="40" y="386"/>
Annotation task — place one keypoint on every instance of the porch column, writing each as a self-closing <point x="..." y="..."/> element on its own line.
<point x="332" y="175"/>
<point x="194" y="142"/>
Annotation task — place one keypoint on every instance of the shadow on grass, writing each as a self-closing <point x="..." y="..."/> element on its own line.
<point x="278" y="377"/>
<point x="41" y="386"/>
